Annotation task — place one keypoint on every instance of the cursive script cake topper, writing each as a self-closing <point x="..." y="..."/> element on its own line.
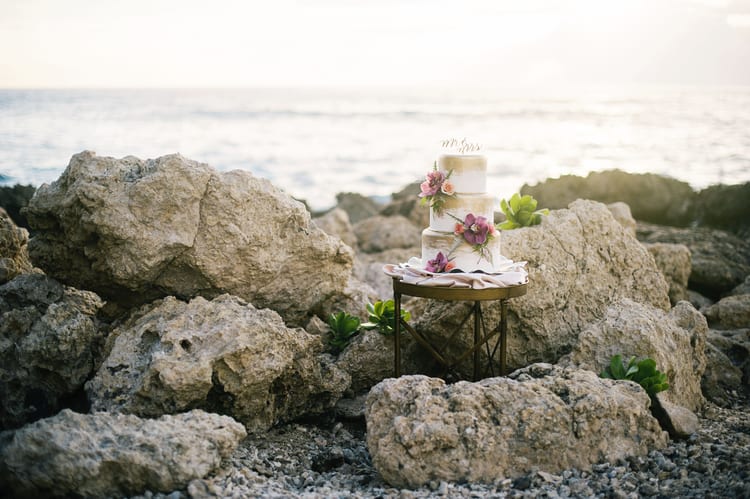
<point x="462" y="146"/>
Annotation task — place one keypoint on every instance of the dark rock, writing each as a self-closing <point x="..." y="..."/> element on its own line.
<point x="652" y="198"/>
<point x="14" y="199"/>
<point x="725" y="207"/>
<point x="679" y="421"/>
<point x="720" y="260"/>
<point x="357" y="206"/>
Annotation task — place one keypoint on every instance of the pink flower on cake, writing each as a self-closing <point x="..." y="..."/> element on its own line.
<point x="439" y="264"/>
<point x="435" y="188"/>
<point x="447" y="188"/>
<point x="432" y="184"/>
<point x="476" y="231"/>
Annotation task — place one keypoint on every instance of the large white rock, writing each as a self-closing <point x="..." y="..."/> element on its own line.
<point x="223" y="355"/>
<point x="135" y="230"/>
<point x="104" y="455"/>
<point x="543" y="417"/>
<point x="675" y="340"/>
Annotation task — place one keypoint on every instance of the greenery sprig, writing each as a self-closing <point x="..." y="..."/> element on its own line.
<point x="381" y="315"/>
<point x="344" y="328"/>
<point x="643" y="372"/>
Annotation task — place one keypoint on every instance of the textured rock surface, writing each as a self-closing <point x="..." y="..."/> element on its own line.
<point x="731" y="371"/>
<point x="356" y="206"/>
<point x="674" y="262"/>
<point x="731" y="312"/>
<point x="544" y="418"/>
<point x="719" y="260"/>
<point x="580" y="261"/>
<point x="621" y="212"/>
<point x="224" y="356"/>
<point x="49" y="341"/>
<point x="14" y="255"/>
<point x="725" y="207"/>
<point x="135" y="230"/>
<point x="380" y="233"/>
<point x="677" y="420"/>
<point x="103" y="455"/>
<point x="407" y="203"/>
<point x="675" y="340"/>
<point x="336" y="223"/>
<point x="722" y="380"/>
<point x="652" y="198"/>
<point x="368" y="267"/>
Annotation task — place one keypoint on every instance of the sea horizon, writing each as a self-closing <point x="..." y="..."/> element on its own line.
<point x="315" y="142"/>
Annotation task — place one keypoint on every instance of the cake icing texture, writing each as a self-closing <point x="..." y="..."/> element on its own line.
<point x="461" y="234"/>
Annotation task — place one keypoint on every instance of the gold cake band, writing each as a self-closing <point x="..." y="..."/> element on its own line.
<point x="460" y="163"/>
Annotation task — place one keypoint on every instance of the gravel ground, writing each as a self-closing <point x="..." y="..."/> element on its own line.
<point x="331" y="460"/>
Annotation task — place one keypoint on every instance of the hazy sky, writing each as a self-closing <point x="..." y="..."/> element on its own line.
<point x="227" y="43"/>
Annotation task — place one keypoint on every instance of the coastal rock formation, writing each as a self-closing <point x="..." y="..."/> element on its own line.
<point x="14" y="255"/>
<point x="675" y="340"/>
<point x="730" y="312"/>
<point x="356" y="206"/>
<point x="224" y="355"/>
<point x="652" y="198"/>
<point x="543" y="417"/>
<point x="104" y="455"/>
<point x="621" y="212"/>
<point x="725" y="207"/>
<point x="336" y="223"/>
<point x="406" y="203"/>
<point x="580" y="261"/>
<point x="135" y="230"/>
<point x="380" y="233"/>
<point x="719" y="260"/>
<point x="49" y="341"/>
<point x="368" y="267"/>
<point x="673" y="260"/>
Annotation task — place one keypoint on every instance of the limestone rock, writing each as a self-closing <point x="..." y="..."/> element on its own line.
<point x="722" y="380"/>
<point x="674" y="262"/>
<point x="368" y="267"/>
<point x="103" y="455"/>
<point x="368" y="359"/>
<point x="725" y="207"/>
<point x="675" y="340"/>
<point x="719" y="260"/>
<point x="336" y="223"/>
<point x="652" y="198"/>
<point x="735" y="370"/>
<point x="225" y="356"/>
<point x="543" y="418"/>
<point x="14" y="255"/>
<point x="356" y="206"/>
<point x="135" y="230"/>
<point x="677" y="420"/>
<point x="580" y="261"/>
<point x="380" y="233"/>
<point x="742" y="288"/>
<point x="49" y="341"/>
<point x="731" y="312"/>
<point x="621" y="212"/>
<point x="406" y="202"/>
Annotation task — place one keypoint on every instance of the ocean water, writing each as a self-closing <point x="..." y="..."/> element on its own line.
<point x="314" y="143"/>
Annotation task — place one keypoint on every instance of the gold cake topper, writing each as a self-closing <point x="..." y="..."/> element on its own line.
<point x="462" y="146"/>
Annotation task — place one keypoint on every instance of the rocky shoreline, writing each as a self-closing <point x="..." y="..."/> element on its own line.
<point x="180" y="311"/>
<point x="332" y="460"/>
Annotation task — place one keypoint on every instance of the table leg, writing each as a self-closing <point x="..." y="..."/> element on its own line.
<point x="477" y="319"/>
<point x="503" y="334"/>
<point x="397" y="334"/>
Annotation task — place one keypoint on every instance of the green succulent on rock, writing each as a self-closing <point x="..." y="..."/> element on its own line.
<point x="643" y="372"/>
<point x="521" y="212"/>
<point x="344" y="327"/>
<point x="381" y="315"/>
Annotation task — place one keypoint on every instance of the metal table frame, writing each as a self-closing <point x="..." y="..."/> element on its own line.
<point x="481" y="337"/>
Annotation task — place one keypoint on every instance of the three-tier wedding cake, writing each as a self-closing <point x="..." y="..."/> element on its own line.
<point x="462" y="234"/>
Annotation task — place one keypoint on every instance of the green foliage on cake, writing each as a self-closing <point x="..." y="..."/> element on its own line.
<point x="521" y="211"/>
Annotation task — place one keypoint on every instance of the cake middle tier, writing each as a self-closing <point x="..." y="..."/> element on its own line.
<point x="462" y="254"/>
<point x="460" y="205"/>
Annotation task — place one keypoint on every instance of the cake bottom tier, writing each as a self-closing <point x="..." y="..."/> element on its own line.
<point x="460" y="252"/>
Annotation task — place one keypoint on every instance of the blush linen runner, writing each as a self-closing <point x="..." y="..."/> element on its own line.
<point x="509" y="274"/>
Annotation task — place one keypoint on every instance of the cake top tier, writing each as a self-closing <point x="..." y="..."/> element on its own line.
<point x="468" y="172"/>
